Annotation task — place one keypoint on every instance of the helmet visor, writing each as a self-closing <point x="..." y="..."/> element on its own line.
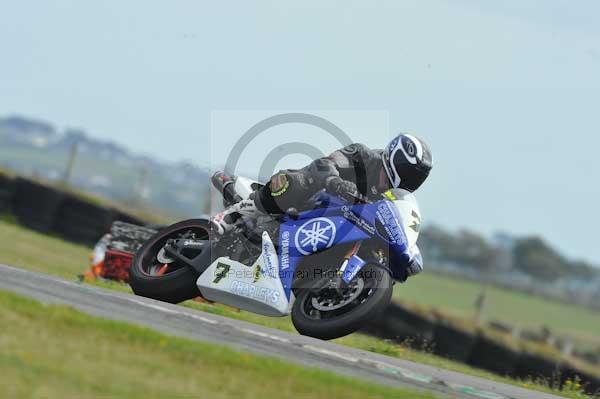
<point x="413" y="180"/>
<point x="412" y="176"/>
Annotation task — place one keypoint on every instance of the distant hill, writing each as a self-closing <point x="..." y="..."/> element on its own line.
<point x="34" y="147"/>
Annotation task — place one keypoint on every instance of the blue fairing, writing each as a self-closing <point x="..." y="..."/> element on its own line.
<point x="338" y="223"/>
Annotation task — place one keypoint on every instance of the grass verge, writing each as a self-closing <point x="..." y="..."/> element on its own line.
<point x="57" y="352"/>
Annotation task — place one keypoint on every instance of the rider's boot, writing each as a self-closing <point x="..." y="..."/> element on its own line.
<point x="224" y="221"/>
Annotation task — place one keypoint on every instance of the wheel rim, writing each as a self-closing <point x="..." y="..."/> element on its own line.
<point x="327" y="303"/>
<point x="330" y="300"/>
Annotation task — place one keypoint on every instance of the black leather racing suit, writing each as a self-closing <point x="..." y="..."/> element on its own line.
<point x="353" y="169"/>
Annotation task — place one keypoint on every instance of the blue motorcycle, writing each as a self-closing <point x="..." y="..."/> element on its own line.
<point x="332" y="267"/>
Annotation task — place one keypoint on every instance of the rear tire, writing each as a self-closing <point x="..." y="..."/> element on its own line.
<point x="176" y="286"/>
<point x="346" y="323"/>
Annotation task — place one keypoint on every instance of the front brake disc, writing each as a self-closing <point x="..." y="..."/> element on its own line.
<point x="349" y="294"/>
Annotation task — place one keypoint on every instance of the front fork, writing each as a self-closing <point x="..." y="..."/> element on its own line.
<point x="350" y="267"/>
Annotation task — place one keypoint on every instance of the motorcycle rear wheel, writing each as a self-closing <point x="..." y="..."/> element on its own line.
<point x="326" y="315"/>
<point x="178" y="283"/>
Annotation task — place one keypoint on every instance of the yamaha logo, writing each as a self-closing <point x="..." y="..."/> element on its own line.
<point x="315" y="235"/>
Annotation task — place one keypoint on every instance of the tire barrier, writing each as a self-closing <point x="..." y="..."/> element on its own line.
<point x="36" y="205"/>
<point x="452" y="342"/>
<point x="493" y="356"/>
<point x="81" y="221"/>
<point x="401" y="325"/>
<point x="7" y="192"/>
<point x="124" y="217"/>
<point x="49" y="210"/>
<point x="535" y="367"/>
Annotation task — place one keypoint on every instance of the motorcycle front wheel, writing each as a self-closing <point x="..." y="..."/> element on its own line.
<point x="323" y="312"/>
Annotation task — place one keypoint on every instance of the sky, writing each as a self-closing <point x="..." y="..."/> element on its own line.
<point x="506" y="93"/>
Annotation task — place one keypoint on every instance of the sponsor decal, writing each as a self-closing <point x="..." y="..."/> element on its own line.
<point x="192" y="243"/>
<point x="221" y="272"/>
<point x="285" y="250"/>
<point x="390" y="223"/>
<point x="358" y="221"/>
<point x="251" y="291"/>
<point x="268" y="261"/>
<point x="315" y="235"/>
<point x="246" y="204"/>
<point x="257" y="273"/>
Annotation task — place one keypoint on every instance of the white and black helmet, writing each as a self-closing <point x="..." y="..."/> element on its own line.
<point x="407" y="161"/>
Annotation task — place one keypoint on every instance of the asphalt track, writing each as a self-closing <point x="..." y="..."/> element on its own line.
<point x="192" y="324"/>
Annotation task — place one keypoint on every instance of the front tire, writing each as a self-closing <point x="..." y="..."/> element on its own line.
<point x="179" y="283"/>
<point x="311" y="318"/>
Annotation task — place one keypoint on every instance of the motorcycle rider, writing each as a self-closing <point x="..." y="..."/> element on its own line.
<point x="351" y="172"/>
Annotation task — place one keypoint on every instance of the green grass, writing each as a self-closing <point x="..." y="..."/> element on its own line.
<point x="57" y="352"/>
<point x="457" y="297"/>
<point x="41" y="253"/>
<point x="50" y="255"/>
